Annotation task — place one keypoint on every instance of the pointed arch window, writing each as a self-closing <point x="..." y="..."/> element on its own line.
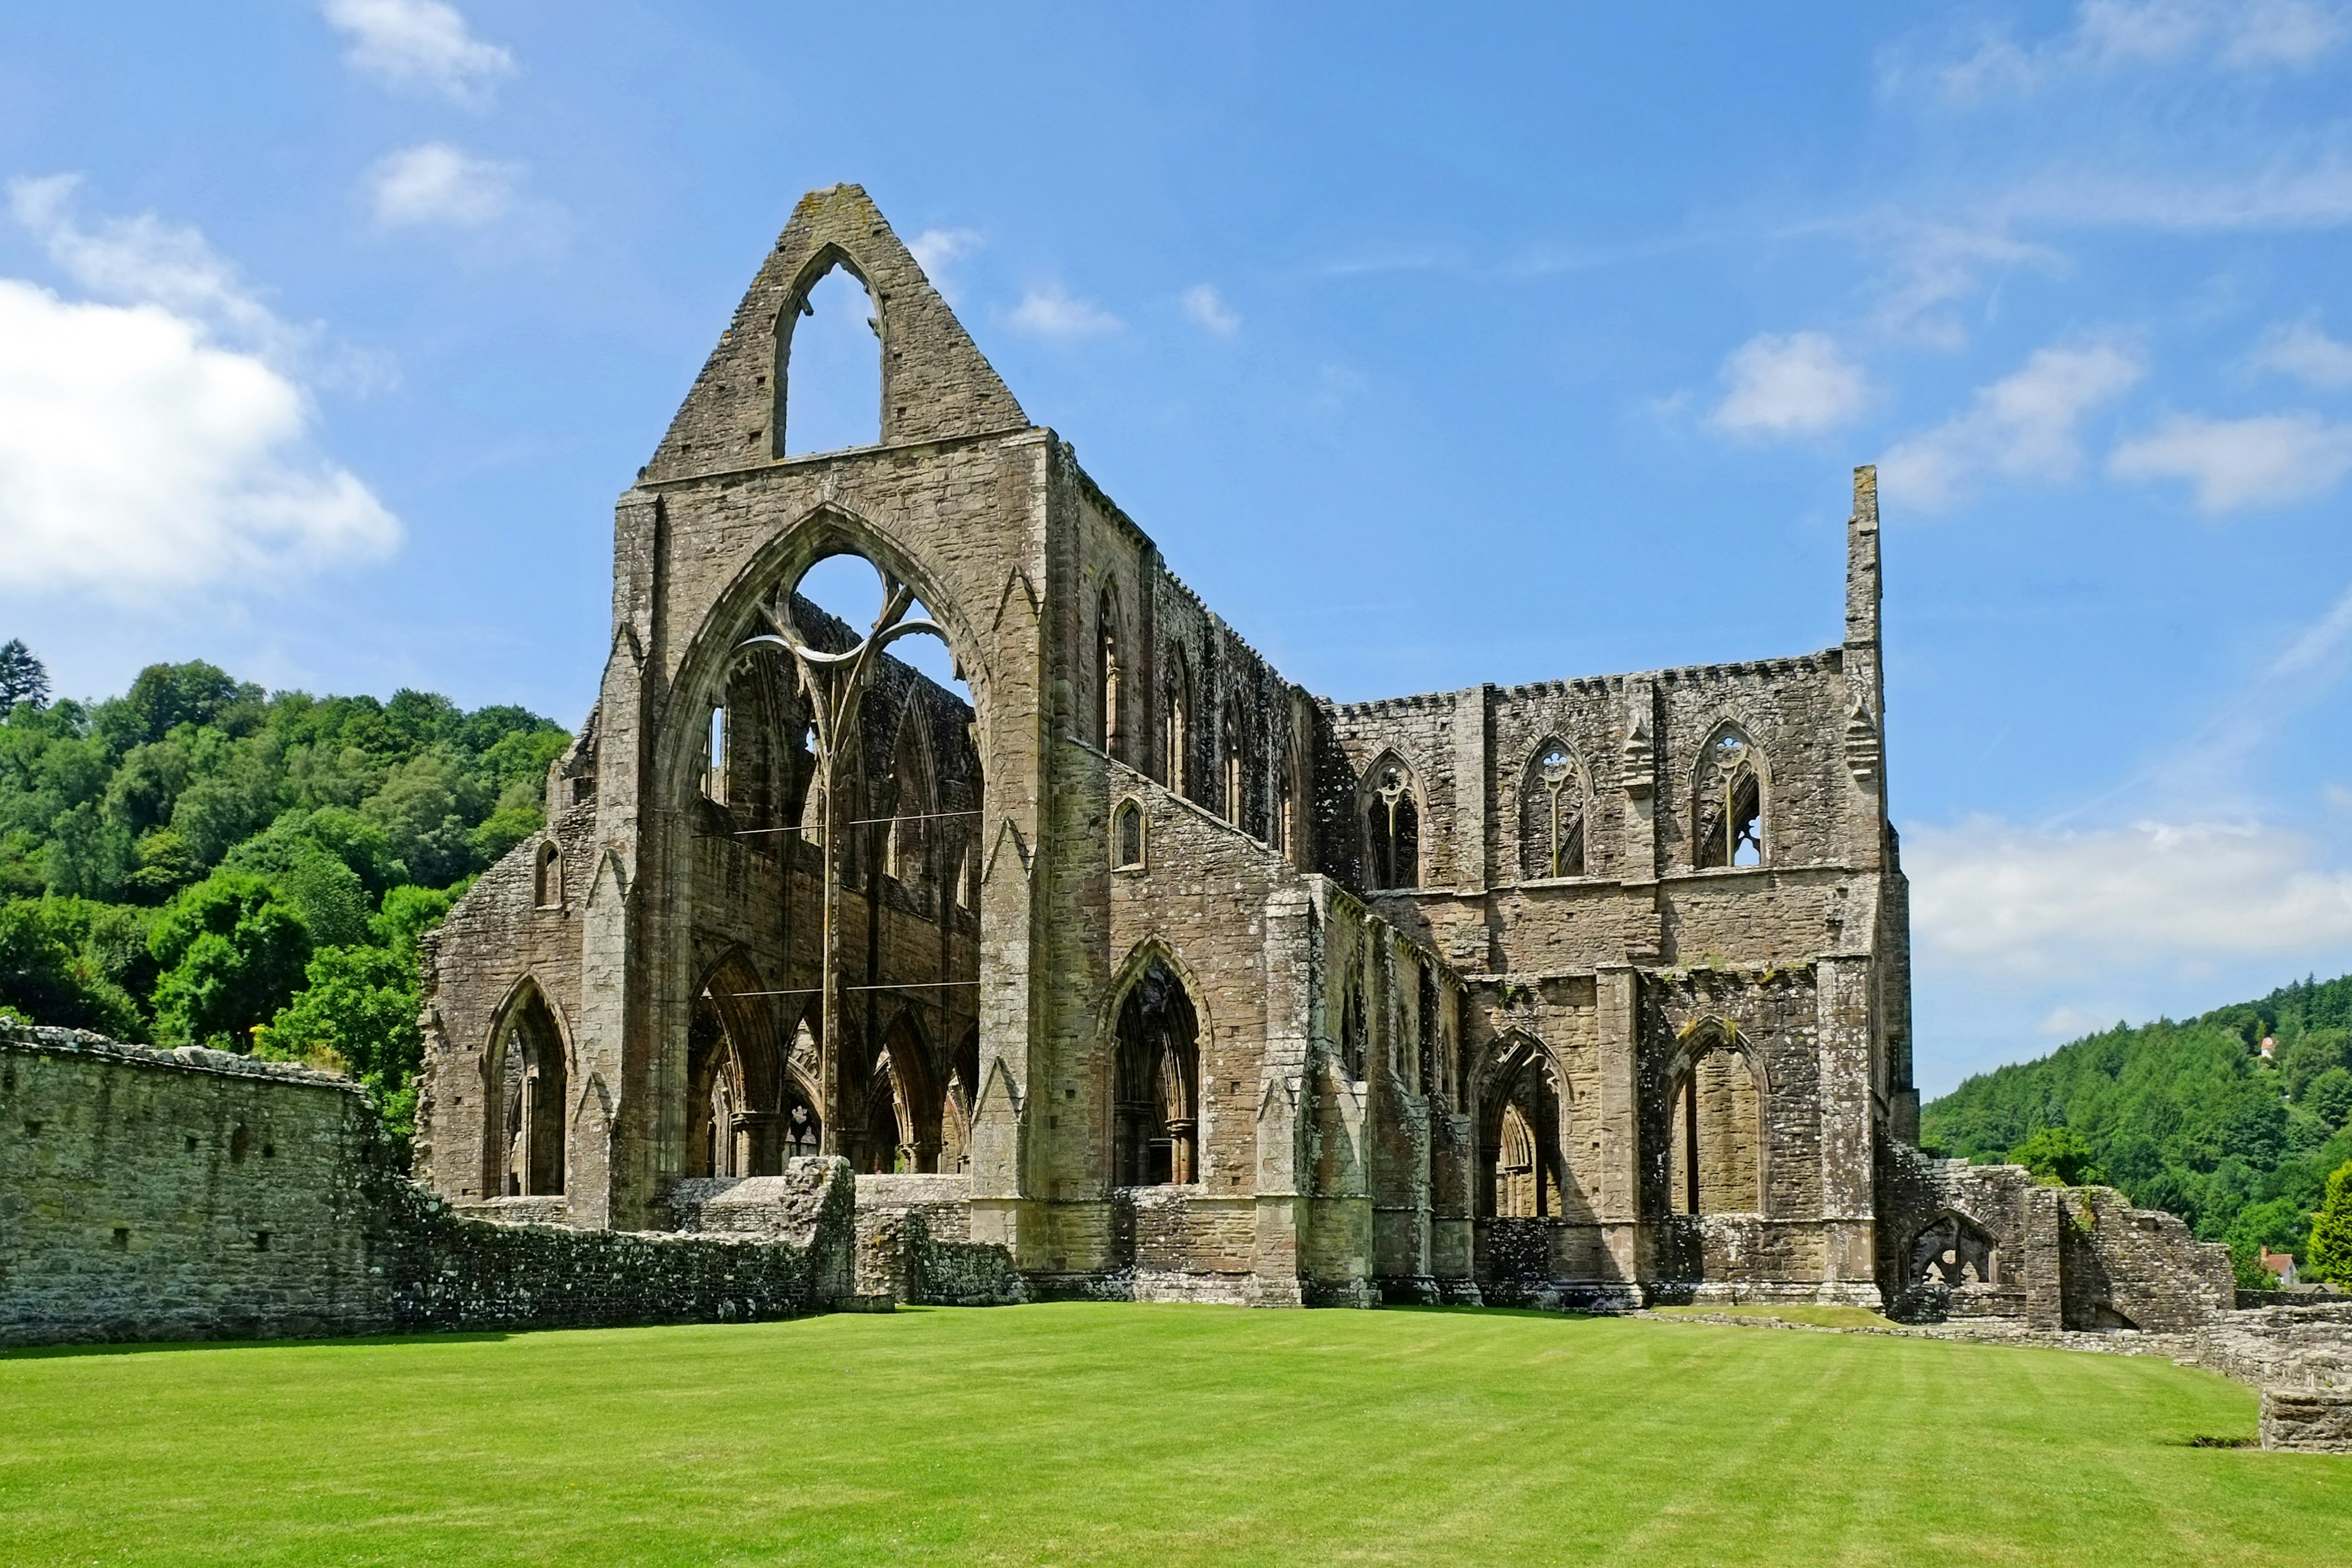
<point x="829" y="356"/>
<point x="1110" y="735"/>
<point x="912" y="815"/>
<point x="529" y="1078"/>
<point x="547" y="878"/>
<point x="1236" y="768"/>
<point x="1392" y="828"/>
<point x="1551" y="814"/>
<point x="1156" y="1084"/>
<point x="1176" y="711"/>
<point x="1715" y="1135"/>
<point x="1127" y="836"/>
<point x="714" y="756"/>
<point x="1727" y="808"/>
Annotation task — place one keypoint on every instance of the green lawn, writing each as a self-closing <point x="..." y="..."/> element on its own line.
<point x="1153" y="1435"/>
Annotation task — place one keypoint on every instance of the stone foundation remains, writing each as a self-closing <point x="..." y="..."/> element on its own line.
<point x="192" y="1195"/>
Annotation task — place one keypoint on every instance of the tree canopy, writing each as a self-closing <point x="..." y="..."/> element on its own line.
<point x="199" y="861"/>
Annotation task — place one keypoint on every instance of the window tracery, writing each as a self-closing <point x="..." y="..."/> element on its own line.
<point x="1551" y="814"/>
<point x="1727" y="808"/>
<point x="1392" y="828"/>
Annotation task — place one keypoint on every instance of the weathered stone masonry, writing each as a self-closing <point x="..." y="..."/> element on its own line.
<point x="189" y="1194"/>
<point x="1581" y="991"/>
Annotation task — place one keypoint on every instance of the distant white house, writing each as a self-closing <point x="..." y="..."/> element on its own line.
<point x="2280" y="1263"/>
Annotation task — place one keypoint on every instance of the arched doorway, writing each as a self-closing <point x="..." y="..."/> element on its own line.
<point x="1519" y="1134"/>
<point x="529" y="1089"/>
<point x="1156" y="1083"/>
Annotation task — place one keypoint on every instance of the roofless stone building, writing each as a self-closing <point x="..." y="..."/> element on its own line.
<point x="1166" y="975"/>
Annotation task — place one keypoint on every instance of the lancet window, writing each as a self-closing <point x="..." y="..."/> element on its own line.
<point x="1727" y="810"/>
<point x="1392" y="828"/>
<point x="1551" y="814"/>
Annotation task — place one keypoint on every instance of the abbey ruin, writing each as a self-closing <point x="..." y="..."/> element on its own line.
<point x="1106" y="963"/>
<point x="1146" y="964"/>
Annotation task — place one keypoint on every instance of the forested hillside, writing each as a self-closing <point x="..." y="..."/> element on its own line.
<point x="200" y="862"/>
<point x="2183" y="1116"/>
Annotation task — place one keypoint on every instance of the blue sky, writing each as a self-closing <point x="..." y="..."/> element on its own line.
<point x="1534" y="345"/>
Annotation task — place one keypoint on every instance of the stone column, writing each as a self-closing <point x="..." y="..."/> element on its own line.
<point x="1617" y="998"/>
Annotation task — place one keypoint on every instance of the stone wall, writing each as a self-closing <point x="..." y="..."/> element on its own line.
<point x="148" y="1194"/>
<point x="914" y="1245"/>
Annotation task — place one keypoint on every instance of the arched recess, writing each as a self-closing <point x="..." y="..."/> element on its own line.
<point x="1233" y="736"/>
<point x="842" y="359"/>
<point x="1523" y="1098"/>
<point x="1552" y="804"/>
<point x="1154" y="1027"/>
<point x="1176" y="722"/>
<point x="547" y="876"/>
<point x="1718" y="1160"/>
<point x="914" y="823"/>
<point x="1954" y="1251"/>
<point x="740" y="1103"/>
<point x="901" y="1122"/>
<point x="1110" y="676"/>
<point x="743" y="610"/>
<point x="1730" y="800"/>
<point x="527" y="1073"/>
<point x="1389" y="805"/>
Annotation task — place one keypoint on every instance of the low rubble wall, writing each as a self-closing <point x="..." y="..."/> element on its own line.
<point x="915" y="1245"/>
<point x="189" y="1194"/>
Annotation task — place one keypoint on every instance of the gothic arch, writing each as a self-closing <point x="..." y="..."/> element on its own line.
<point x="1718" y="1134"/>
<point x="1110" y="697"/>
<point x="821" y="265"/>
<point x="1391" y="818"/>
<point x="1731" y="798"/>
<point x="527" y="1078"/>
<point x="1554" y="805"/>
<point x="1157" y="1084"/>
<point x="1523" y="1098"/>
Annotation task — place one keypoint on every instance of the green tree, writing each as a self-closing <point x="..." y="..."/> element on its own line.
<point x="46" y="979"/>
<point x="232" y="952"/>
<point x="88" y="857"/>
<point x="2060" y="1154"/>
<point x="357" y="1009"/>
<point x="2329" y="1097"/>
<point x="2330" y="1257"/>
<point x="2246" y="1266"/>
<point x="22" y="678"/>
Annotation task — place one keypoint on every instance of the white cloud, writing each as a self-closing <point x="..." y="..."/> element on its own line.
<point x="2283" y="196"/>
<point x="2271" y="459"/>
<point x="2111" y="36"/>
<point x="418" y="43"/>
<point x="2022" y="904"/>
<point x="138" y="460"/>
<point x="1054" y="311"/>
<point x="2022" y="427"/>
<point x="936" y="250"/>
<point x="161" y="442"/>
<point x="2307" y="355"/>
<point x="1789" y="384"/>
<point x="437" y="183"/>
<point x="1936" y="263"/>
<point x="1207" y="310"/>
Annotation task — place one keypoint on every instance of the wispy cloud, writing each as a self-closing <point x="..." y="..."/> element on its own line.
<point x="1053" y="312"/>
<point x="435" y="184"/>
<point x="159" y="438"/>
<point x="420" y="44"/>
<point x="1934" y="264"/>
<point x="2022" y="427"/>
<point x="936" y="250"/>
<point x="2307" y="355"/>
<point x="1206" y="309"/>
<point x="2109" y="36"/>
<point x="2271" y="459"/>
<point x="1784" y="384"/>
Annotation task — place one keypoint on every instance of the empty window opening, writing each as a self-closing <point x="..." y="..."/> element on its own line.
<point x="528" y="1079"/>
<point x="121" y="1238"/>
<point x="1127" y="836"/>
<point x="1236" y="768"/>
<point x="1519" y="1138"/>
<point x="829" y="368"/>
<point x="714" y="757"/>
<point x="914" y="818"/>
<point x="1715" y="1156"/>
<point x="1425" y="1019"/>
<point x="1954" y="1252"/>
<point x="1551" y="815"/>
<point x="1156" y="1086"/>
<point x="547" y="879"/>
<point x="260" y="1241"/>
<point x="1284" y="827"/>
<point x="1391" y="829"/>
<point x="1110" y="731"/>
<point x="1176" y="710"/>
<point x="1729" y="811"/>
<point x="1351" y="1028"/>
<point x="240" y="1144"/>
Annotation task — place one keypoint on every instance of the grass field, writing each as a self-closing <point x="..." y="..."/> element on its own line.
<point x="1153" y="1435"/>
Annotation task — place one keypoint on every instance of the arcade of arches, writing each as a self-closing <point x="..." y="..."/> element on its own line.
<point x="1136" y="960"/>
